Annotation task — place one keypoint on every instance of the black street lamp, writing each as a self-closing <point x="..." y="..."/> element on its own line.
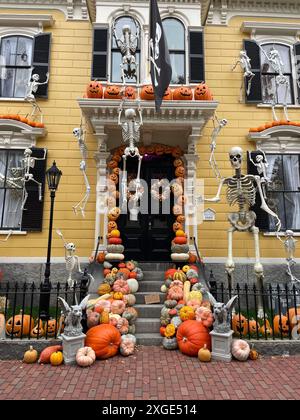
<point x="53" y="175"/>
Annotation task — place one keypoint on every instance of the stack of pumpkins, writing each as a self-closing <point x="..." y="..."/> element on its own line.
<point x="111" y="317"/>
<point x="115" y="248"/>
<point x="179" y="246"/>
<point x="186" y="316"/>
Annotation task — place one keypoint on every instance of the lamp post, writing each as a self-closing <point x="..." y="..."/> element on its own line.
<point x="53" y="175"/>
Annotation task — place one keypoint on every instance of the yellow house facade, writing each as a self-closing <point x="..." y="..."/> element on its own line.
<point x="224" y="26"/>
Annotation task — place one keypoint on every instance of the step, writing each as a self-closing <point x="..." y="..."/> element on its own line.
<point x="147" y="325"/>
<point x="155" y="266"/>
<point x="140" y="296"/>
<point x="149" y="339"/>
<point x="153" y="275"/>
<point x="150" y="286"/>
<point x="148" y="311"/>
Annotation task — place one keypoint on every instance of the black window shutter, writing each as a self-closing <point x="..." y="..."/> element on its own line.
<point x="253" y="51"/>
<point x="297" y="61"/>
<point x="41" y="61"/>
<point x="32" y="219"/>
<point x="196" y="51"/>
<point x="100" y="48"/>
<point x="262" y="219"/>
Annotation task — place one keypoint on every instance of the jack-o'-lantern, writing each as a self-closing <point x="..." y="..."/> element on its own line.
<point x="114" y="178"/>
<point x="150" y="149"/>
<point x="112" y="225"/>
<point x="178" y="162"/>
<point x="116" y="171"/>
<point x="183" y="93"/>
<point x="147" y="93"/>
<point x="19" y="325"/>
<point x="94" y="90"/>
<point x="177" y="189"/>
<point x="266" y="329"/>
<point x="202" y="93"/>
<point x="180" y="218"/>
<point x="168" y="150"/>
<point x="130" y="92"/>
<point x="253" y="327"/>
<point x="177" y="210"/>
<point x="114" y="213"/>
<point x="281" y="325"/>
<point x="111" y="201"/>
<point x="168" y="95"/>
<point x="38" y="330"/>
<point x="112" y="164"/>
<point x="113" y="92"/>
<point x="180" y="171"/>
<point x="177" y="152"/>
<point x="177" y="226"/>
<point x="240" y="324"/>
<point x="159" y="149"/>
<point x="51" y="328"/>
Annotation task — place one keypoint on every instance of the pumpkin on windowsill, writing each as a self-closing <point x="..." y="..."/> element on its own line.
<point x="130" y="92"/>
<point x="202" y="93"/>
<point x="113" y="92"/>
<point x="94" y="90"/>
<point x="182" y="93"/>
<point x="147" y="93"/>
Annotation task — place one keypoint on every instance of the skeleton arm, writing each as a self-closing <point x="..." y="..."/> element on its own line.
<point x="217" y="198"/>
<point x="120" y="114"/>
<point x="264" y="205"/>
<point x="46" y="81"/>
<point x="235" y="65"/>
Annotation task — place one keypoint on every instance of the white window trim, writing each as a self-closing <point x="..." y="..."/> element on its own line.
<point x="41" y="21"/>
<point x="13" y="232"/>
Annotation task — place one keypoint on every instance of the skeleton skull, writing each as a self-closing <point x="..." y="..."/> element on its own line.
<point x="27" y="152"/>
<point x="130" y="114"/>
<point x="77" y="132"/>
<point x="126" y="28"/>
<point x="70" y="246"/>
<point x="236" y="156"/>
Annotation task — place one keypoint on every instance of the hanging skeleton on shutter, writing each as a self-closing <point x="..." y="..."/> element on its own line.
<point x="245" y="62"/>
<point x="32" y="88"/>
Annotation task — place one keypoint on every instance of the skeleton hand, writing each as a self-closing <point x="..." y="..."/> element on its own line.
<point x="213" y="200"/>
<point x="229" y="266"/>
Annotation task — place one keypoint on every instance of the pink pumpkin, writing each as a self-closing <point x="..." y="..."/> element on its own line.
<point x="175" y="292"/>
<point x="177" y="283"/>
<point x="105" y="304"/>
<point x="194" y="303"/>
<point x="117" y="307"/>
<point x="121" y="286"/>
<point x="122" y="325"/>
<point x="205" y="316"/>
<point x="93" y="319"/>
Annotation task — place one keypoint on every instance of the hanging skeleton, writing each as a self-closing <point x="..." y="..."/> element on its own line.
<point x="128" y="45"/>
<point x="245" y="62"/>
<point x="274" y="59"/>
<point x="241" y="191"/>
<point x="290" y="247"/>
<point x="213" y="144"/>
<point x="131" y="135"/>
<point x="72" y="260"/>
<point x="32" y="88"/>
<point x="261" y="165"/>
<point x="80" y="137"/>
<point x="7" y="236"/>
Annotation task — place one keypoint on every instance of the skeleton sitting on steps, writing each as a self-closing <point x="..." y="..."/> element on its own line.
<point x="241" y="190"/>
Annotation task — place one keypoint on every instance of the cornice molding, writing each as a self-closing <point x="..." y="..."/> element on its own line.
<point x="274" y="28"/>
<point x="26" y="20"/>
<point x="285" y="139"/>
<point x="15" y="134"/>
<point x="221" y="11"/>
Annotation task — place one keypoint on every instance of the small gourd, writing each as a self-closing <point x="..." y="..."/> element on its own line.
<point x="56" y="358"/>
<point x="30" y="356"/>
<point x="204" y="354"/>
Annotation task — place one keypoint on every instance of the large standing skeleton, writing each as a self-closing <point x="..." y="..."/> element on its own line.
<point x="241" y="191"/>
<point x="131" y="135"/>
<point x="275" y="60"/>
<point x="128" y="45"/>
<point x="79" y="135"/>
<point x="245" y="63"/>
<point x="32" y="88"/>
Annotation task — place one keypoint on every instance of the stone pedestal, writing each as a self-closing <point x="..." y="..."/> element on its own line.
<point x="70" y="347"/>
<point x="221" y="346"/>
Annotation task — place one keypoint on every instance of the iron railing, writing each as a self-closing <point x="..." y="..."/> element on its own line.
<point x="20" y="305"/>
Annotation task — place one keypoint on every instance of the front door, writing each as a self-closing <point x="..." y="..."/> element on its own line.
<point x="149" y="238"/>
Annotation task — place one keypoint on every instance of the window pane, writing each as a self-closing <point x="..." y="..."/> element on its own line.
<point x="15" y="169"/>
<point x="9" y="49"/>
<point x="21" y="82"/>
<point x="24" y="52"/>
<point x="1" y="204"/>
<point x="282" y="93"/>
<point x="292" y="205"/>
<point x="268" y="86"/>
<point x="275" y="172"/>
<point x="2" y="168"/>
<point x="119" y="23"/>
<point x="7" y="84"/>
<point x="12" y="209"/>
<point x="116" y="59"/>
<point x="291" y="172"/>
<point x="174" y="32"/>
<point x="276" y="203"/>
<point x="178" y="70"/>
<point x="285" y="55"/>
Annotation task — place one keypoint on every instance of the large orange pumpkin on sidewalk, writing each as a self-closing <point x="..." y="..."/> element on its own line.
<point x="192" y="336"/>
<point x="104" y="339"/>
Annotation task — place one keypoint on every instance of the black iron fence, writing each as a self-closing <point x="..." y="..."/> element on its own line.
<point x="279" y="317"/>
<point x="20" y="303"/>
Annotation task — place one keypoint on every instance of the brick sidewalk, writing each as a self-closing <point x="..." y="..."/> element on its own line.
<point x="154" y="373"/>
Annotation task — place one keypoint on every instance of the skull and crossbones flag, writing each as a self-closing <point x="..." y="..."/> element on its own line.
<point x="160" y="65"/>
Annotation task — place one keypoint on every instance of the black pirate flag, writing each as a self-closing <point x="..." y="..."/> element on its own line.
<point x="161" y="70"/>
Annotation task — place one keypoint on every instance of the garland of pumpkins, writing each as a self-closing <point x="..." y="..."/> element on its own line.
<point x="17" y="117"/>
<point x="95" y="90"/>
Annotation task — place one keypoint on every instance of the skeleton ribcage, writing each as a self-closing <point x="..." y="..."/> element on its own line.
<point x="241" y="191"/>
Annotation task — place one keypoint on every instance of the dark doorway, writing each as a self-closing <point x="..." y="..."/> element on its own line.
<point x="149" y="238"/>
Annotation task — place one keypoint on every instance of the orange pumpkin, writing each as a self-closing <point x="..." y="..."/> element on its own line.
<point x="182" y="93"/>
<point x="192" y="258"/>
<point x="101" y="257"/>
<point x="125" y="271"/>
<point x="177" y="226"/>
<point x="147" y="93"/>
<point x="162" y="331"/>
<point x="202" y="93"/>
<point x="266" y="329"/>
<point x="192" y="336"/>
<point x="112" y="164"/>
<point x="180" y="218"/>
<point x="112" y="225"/>
<point x="112" y="92"/>
<point x="114" y="241"/>
<point x="178" y="162"/>
<point x="159" y="149"/>
<point x="114" y="178"/>
<point x="168" y="95"/>
<point x="179" y="171"/>
<point x="180" y="240"/>
<point x="19" y="325"/>
<point x="240" y="324"/>
<point x="94" y="90"/>
<point x="281" y="325"/>
<point x="253" y="327"/>
<point x="104" y="339"/>
<point x="130" y="92"/>
<point x="253" y="130"/>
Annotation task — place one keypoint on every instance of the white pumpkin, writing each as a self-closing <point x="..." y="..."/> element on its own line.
<point x="129" y="299"/>
<point x="85" y="356"/>
<point x="240" y="350"/>
<point x="164" y="288"/>
<point x="180" y="257"/>
<point x="128" y="337"/>
<point x="133" y="285"/>
<point x="107" y="264"/>
<point x="114" y="257"/>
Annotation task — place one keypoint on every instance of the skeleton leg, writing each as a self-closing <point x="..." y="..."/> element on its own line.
<point x="229" y="266"/>
<point x="124" y="180"/>
<point x="24" y="198"/>
<point x="250" y="84"/>
<point x="285" y="110"/>
<point x="82" y="203"/>
<point x="122" y="73"/>
<point x="78" y="264"/>
<point x="258" y="270"/>
<point x="138" y="175"/>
